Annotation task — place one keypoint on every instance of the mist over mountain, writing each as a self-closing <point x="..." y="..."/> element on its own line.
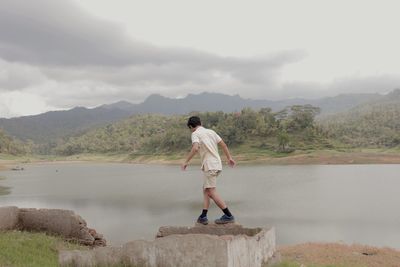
<point x="220" y="102"/>
<point x="58" y="124"/>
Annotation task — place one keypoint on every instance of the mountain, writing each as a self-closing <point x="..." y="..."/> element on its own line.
<point x="376" y="123"/>
<point x="52" y="125"/>
<point x="226" y="103"/>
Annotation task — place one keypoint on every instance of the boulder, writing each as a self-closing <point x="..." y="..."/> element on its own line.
<point x="58" y="222"/>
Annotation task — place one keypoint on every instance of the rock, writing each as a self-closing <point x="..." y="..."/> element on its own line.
<point x="100" y="243"/>
<point x="17" y="168"/>
<point x="51" y="221"/>
<point x="9" y="217"/>
<point x="92" y="231"/>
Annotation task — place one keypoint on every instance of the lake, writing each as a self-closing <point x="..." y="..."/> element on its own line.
<point x="329" y="203"/>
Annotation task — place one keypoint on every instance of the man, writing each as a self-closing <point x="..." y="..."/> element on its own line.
<point x="206" y="142"/>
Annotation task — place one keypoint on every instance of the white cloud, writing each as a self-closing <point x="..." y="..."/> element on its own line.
<point x="17" y="103"/>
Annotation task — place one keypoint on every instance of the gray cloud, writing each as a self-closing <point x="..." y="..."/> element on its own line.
<point x="14" y="76"/>
<point x="55" y="50"/>
<point x="57" y="33"/>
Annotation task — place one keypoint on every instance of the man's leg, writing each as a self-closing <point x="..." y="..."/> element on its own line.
<point x="212" y="193"/>
<point x="206" y="201"/>
<point x="206" y="204"/>
<point x="228" y="217"/>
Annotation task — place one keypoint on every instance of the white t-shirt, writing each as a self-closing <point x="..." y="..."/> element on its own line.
<point x="208" y="142"/>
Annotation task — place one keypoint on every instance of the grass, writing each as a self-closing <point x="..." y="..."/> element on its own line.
<point x="31" y="249"/>
<point x="295" y="264"/>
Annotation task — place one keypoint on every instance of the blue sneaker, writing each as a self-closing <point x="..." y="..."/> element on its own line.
<point x="202" y="220"/>
<point x="225" y="219"/>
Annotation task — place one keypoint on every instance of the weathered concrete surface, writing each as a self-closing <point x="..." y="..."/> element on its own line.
<point x="52" y="221"/>
<point x="178" y="250"/>
<point x="211" y="245"/>
<point x="55" y="221"/>
<point x="211" y="229"/>
<point x="8" y="218"/>
<point x="106" y="256"/>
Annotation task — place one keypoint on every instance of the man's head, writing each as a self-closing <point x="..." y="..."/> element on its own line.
<point x="193" y="122"/>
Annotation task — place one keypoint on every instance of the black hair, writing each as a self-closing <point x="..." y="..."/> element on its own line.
<point x="193" y="122"/>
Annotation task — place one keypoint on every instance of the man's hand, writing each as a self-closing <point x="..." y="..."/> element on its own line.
<point x="193" y="151"/>
<point x="183" y="166"/>
<point x="231" y="162"/>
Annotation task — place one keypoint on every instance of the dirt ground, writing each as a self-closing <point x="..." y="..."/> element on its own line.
<point x="336" y="254"/>
<point x="332" y="158"/>
<point x="3" y="167"/>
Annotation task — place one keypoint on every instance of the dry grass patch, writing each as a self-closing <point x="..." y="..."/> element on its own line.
<point x="335" y="254"/>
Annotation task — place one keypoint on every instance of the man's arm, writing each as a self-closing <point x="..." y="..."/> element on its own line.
<point x="193" y="151"/>
<point x="224" y="147"/>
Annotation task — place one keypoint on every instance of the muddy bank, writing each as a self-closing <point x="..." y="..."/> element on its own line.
<point x="3" y="167"/>
<point x="330" y="158"/>
<point x="297" y="158"/>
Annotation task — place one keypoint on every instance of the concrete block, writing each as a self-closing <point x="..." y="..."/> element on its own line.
<point x="211" y="245"/>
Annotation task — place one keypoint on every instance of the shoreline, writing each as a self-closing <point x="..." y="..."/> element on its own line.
<point x="325" y="157"/>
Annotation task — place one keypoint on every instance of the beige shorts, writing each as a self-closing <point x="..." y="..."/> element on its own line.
<point x="210" y="178"/>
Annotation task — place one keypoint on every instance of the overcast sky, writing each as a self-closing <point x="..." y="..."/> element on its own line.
<point x="57" y="54"/>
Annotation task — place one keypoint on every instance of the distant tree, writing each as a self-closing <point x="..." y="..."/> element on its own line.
<point x="302" y="116"/>
<point x="283" y="140"/>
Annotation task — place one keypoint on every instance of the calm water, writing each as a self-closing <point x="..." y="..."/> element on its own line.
<point x="350" y="203"/>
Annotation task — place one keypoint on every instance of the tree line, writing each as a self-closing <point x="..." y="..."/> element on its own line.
<point x="12" y="146"/>
<point x="293" y="128"/>
<point x="288" y="129"/>
<point x="366" y="126"/>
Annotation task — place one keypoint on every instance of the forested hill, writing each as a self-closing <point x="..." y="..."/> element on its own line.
<point x="54" y="125"/>
<point x="10" y="146"/>
<point x="288" y="129"/>
<point x="376" y="124"/>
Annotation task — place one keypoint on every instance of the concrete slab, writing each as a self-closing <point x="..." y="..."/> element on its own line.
<point x="198" y="246"/>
